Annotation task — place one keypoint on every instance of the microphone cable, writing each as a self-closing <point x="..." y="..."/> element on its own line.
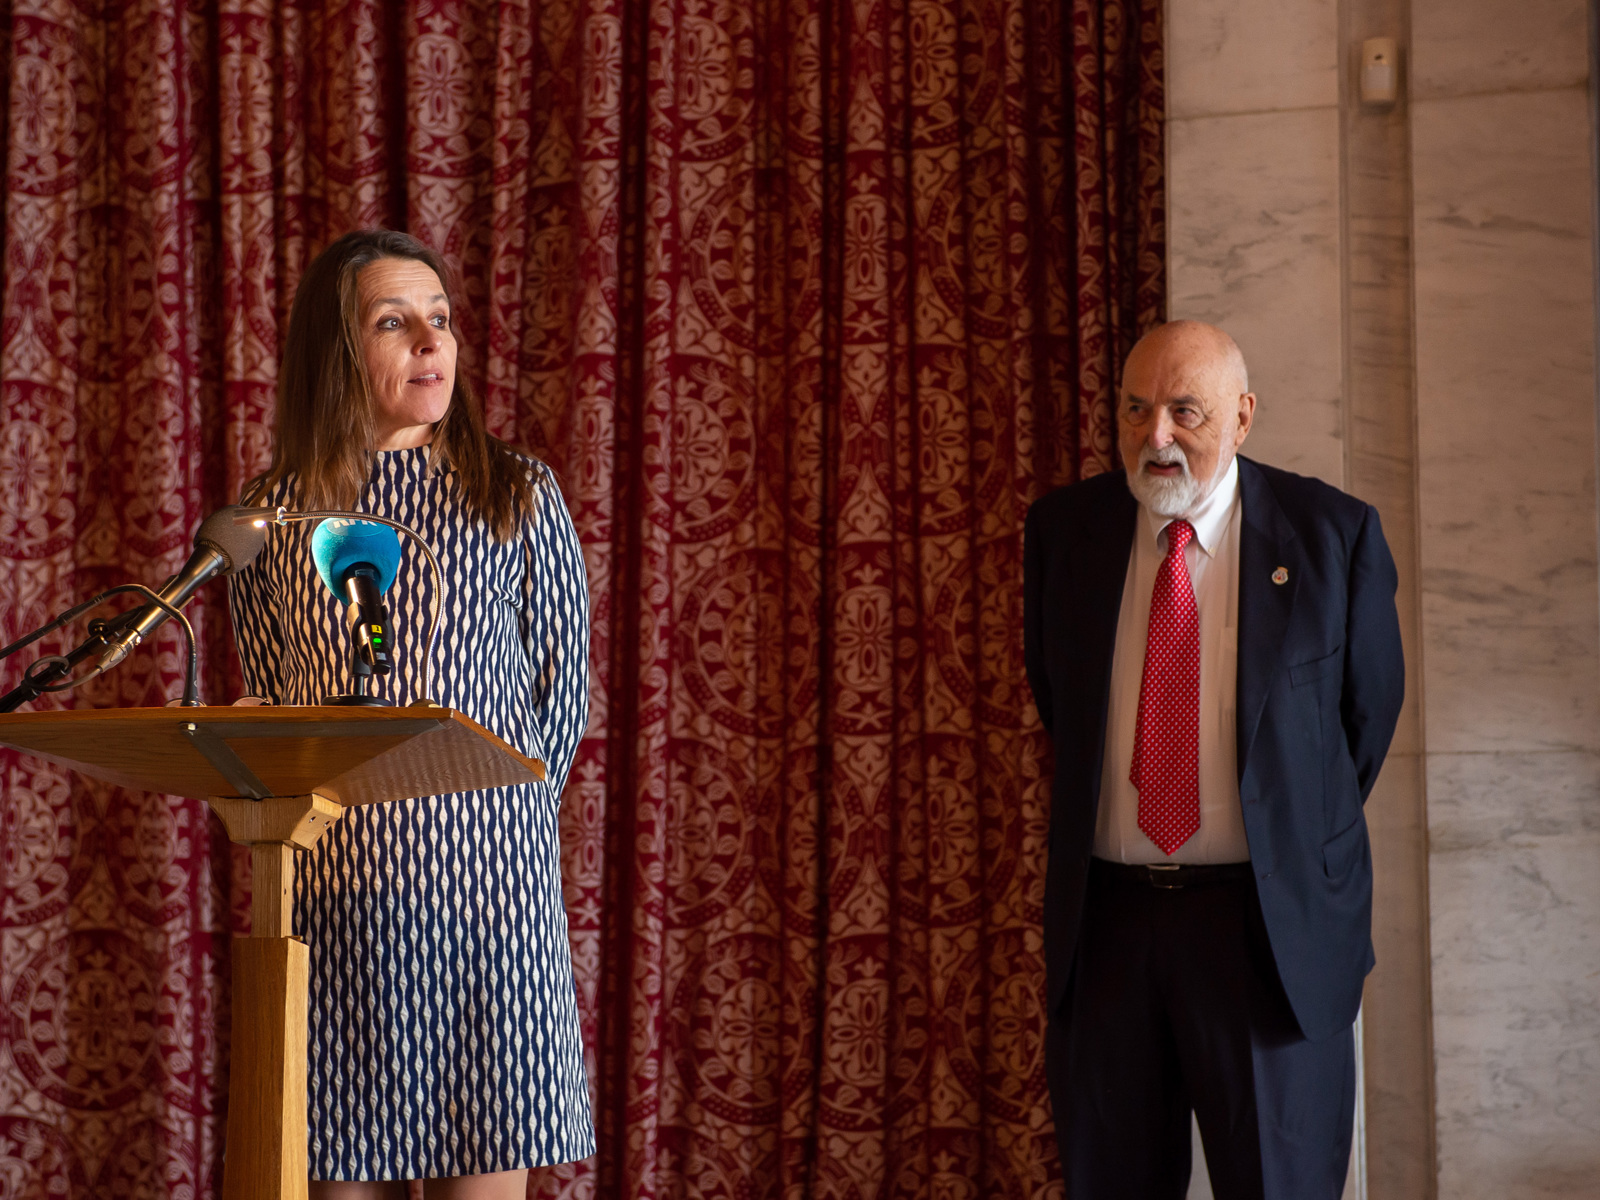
<point x="61" y="663"/>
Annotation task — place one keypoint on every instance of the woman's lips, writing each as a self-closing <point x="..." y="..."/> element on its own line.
<point x="429" y="380"/>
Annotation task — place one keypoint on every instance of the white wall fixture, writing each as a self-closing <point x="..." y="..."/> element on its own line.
<point x="1380" y="71"/>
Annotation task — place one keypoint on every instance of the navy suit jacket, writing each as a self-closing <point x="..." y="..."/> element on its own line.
<point x="1320" y="681"/>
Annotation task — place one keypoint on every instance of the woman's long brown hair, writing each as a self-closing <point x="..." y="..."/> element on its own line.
<point x="325" y="419"/>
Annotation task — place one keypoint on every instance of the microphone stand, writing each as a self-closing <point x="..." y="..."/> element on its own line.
<point x="43" y="675"/>
<point x="362" y="673"/>
<point x="46" y="674"/>
<point x="372" y="641"/>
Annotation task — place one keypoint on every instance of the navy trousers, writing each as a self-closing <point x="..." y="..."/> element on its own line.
<point x="1174" y="1006"/>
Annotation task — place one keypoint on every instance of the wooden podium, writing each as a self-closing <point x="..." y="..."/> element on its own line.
<point x="279" y="778"/>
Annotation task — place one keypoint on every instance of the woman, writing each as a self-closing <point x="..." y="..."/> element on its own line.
<point x="445" y="1044"/>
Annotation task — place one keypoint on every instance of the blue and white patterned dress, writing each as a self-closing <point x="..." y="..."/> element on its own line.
<point x="444" y="1032"/>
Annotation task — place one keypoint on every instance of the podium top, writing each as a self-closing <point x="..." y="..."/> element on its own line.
<point x="349" y="755"/>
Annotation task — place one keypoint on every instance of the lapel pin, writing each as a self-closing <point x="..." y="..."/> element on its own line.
<point x="1281" y="576"/>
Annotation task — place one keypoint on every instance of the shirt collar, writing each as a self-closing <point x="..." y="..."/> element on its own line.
<point x="1209" y="517"/>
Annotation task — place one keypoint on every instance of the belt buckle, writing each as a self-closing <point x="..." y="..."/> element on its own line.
<point x="1170" y="870"/>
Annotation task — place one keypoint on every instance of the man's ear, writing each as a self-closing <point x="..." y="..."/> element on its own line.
<point x="1247" y="416"/>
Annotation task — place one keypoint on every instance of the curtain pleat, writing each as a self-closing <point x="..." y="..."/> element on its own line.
<point x="805" y="301"/>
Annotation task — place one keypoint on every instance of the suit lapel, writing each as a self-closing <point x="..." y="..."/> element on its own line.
<point x="1107" y="543"/>
<point x="1267" y="543"/>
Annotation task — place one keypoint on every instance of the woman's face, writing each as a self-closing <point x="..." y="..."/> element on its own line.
<point x="409" y="349"/>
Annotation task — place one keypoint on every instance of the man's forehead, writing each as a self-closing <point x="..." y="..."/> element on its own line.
<point x="1169" y="377"/>
<point x="1183" y="397"/>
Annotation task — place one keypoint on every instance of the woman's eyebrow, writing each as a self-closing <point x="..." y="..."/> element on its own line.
<point x="398" y="301"/>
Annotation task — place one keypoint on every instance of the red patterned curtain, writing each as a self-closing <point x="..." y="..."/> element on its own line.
<point x="805" y="301"/>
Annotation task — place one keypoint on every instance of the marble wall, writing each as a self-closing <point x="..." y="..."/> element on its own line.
<point x="1380" y="467"/>
<point x="1505" y="334"/>
<point x="1414" y="289"/>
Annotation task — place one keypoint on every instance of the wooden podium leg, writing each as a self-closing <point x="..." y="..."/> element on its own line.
<point x="266" y="1156"/>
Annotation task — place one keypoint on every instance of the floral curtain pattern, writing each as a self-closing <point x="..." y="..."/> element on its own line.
<point x="805" y="301"/>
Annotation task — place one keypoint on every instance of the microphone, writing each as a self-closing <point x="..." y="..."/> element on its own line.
<point x="226" y="541"/>
<point x="387" y="555"/>
<point x="357" y="560"/>
<point x="222" y="546"/>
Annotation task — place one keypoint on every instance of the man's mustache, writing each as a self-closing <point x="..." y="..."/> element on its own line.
<point x="1165" y="457"/>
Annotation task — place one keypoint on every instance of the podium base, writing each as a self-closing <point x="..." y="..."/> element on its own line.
<point x="267" y="1156"/>
<point x="267" y="1134"/>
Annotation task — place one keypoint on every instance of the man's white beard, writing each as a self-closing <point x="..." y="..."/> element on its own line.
<point x="1168" y="496"/>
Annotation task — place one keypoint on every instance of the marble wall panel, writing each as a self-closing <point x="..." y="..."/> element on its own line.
<point x="1516" y="973"/>
<point x="1236" y="56"/>
<point x="1505" y="328"/>
<point x="1506" y="418"/>
<point x="1470" y="47"/>
<point x="1396" y="1003"/>
<point x="1253" y="220"/>
<point x="1199" y="1180"/>
<point x="1380" y="464"/>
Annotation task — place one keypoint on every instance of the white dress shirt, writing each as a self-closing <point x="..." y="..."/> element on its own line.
<point x="1213" y="560"/>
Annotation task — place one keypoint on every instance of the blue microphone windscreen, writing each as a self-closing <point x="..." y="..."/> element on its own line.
<point x="338" y="544"/>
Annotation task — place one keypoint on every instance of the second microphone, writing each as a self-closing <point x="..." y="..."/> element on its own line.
<point x="357" y="560"/>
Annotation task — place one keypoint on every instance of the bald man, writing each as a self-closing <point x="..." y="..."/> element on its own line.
<point x="1215" y="652"/>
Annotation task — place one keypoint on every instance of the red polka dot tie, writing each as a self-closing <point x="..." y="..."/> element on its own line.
<point x="1166" y="741"/>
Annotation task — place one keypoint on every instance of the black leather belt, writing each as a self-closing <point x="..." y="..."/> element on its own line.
<point x="1172" y="876"/>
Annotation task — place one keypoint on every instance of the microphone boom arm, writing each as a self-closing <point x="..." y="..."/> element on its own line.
<point x="36" y="682"/>
<point x="282" y="516"/>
